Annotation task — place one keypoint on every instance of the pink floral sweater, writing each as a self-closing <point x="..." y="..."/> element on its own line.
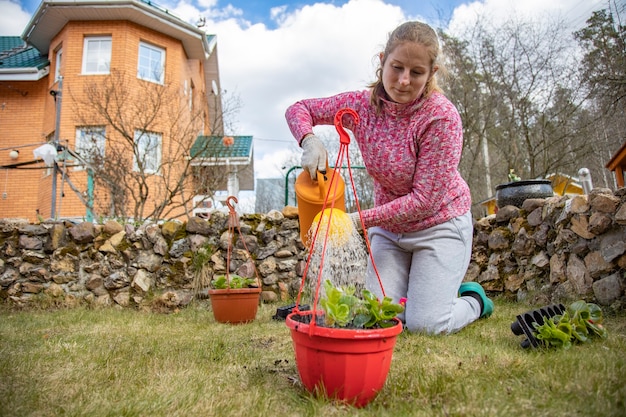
<point x="412" y="152"/>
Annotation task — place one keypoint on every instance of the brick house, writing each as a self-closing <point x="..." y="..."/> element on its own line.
<point x="75" y="55"/>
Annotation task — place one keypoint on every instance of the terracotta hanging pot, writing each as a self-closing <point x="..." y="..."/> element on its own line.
<point x="232" y="303"/>
<point x="235" y="305"/>
<point x="350" y="365"/>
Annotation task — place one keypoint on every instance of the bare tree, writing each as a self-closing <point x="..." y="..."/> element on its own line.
<point x="603" y="67"/>
<point x="144" y="169"/>
<point x="521" y="99"/>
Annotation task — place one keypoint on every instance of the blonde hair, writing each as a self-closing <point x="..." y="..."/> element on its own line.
<point x="417" y="32"/>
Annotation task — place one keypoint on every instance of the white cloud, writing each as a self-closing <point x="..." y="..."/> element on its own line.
<point x="13" y="19"/>
<point x="315" y="51"/>
<point x="573" y="12"/>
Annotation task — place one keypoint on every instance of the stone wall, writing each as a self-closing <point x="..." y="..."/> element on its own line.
<point x="549" y="250"/>
<point x="555" y="250"/>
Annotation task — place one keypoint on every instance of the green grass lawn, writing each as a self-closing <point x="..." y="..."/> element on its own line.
<point x="111" y="362"/>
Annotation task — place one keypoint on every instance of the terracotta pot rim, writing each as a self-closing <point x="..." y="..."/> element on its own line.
<point x="235" y="290"/>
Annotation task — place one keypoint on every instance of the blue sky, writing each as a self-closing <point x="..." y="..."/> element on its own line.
<point x="270" y="58"/>
<point x="259" y="11"/>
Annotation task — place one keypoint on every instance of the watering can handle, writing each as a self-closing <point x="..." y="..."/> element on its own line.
<point x="321" y="182"/>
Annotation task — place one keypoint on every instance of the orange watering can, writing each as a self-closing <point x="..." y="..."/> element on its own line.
<point x="326" y="195"/>
<point x="311" y="196"/>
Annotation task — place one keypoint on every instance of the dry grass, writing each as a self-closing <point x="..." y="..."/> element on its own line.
<point x="110" y="362"/>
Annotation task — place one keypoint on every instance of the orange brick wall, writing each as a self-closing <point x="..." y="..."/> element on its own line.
<point x="22" y="114"/>
<point x="31" y="118"/>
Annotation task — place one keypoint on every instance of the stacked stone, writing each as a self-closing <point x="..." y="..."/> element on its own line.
<point x="124" y="265"/>
<point x="548" y="251"/>
<point x="555" y="250"/>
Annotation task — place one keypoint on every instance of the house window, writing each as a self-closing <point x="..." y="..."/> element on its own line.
<point x="97" y="55"/>
<point x="59" y="60"/>
<point x="151" y="63"/>
<point x="90" y="144"/>
<point x="147" y="152"/>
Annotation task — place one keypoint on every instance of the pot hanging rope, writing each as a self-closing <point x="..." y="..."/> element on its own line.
<point x="332" y="229"/>
<point x="349" y="364"/>
<point x="235" y="304"/>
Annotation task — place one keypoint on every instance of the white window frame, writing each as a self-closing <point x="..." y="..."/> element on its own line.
<point x="148" y="150"/>
<point x="90" y="139"/>
<point x="151" y="63"/>
<point x="96" y="55"/>
<point x="58" y="62"/>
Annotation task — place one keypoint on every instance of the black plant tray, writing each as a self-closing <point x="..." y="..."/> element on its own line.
<point x="524" y="323"/>
<point x="283" y="312"/>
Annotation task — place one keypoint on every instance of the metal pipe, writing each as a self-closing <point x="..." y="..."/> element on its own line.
<point x="585" y="179"/>
<point x="57" y="99"/>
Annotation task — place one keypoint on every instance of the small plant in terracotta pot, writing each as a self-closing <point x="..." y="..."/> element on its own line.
<point x="222" y="282"/>
<point x="234" y="299"/>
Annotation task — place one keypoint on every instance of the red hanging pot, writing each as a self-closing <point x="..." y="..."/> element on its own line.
<point x="347" y="364"/>
<point x="350" y="365"/>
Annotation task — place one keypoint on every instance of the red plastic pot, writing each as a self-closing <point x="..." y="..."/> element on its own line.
<point x="350" y="365"/>
<point x="235" y="305"/>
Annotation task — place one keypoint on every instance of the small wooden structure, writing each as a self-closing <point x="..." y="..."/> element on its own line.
<point x="617" y="165"/>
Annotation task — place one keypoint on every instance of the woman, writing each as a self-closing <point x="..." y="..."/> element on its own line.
<point x="410" y="137"/>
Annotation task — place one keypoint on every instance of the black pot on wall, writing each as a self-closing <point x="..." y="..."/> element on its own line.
<point x="516" y="192"/>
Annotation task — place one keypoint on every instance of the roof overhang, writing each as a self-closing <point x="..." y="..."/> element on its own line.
<point x="214" y="151"/>
<point x="618" y="160"/>
<point x="23" y="74"/>
<point x="52" y="15"/>
<point x="220" y="161"/>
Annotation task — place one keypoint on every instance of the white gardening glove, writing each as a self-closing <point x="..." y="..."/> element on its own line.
<point x="356" y="220"/>
<point x="313" y="156"/>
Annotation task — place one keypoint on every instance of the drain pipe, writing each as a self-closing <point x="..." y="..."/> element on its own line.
<point x="585" y="178"/>
<point x="57" y="99"/>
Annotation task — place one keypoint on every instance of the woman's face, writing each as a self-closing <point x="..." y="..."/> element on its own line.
<point x="406" y="70"/>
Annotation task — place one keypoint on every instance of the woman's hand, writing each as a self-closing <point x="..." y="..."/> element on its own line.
<point x="314" y="156"/>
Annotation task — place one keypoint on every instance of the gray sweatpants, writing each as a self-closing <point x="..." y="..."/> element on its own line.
<point x="426" y="267"/>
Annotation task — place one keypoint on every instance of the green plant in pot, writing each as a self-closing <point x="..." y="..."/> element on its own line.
<point x="578" y="324"/>
<point x="344" y="343"/>
<point x="222" y="282"/>
<point x="234" y="299"/>
<point x="345" y="352"/>
<point x="343" y="309"/>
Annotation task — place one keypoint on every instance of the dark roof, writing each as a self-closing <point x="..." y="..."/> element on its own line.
<point x="216" y="147"/>
<point x="14" y="53"/>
